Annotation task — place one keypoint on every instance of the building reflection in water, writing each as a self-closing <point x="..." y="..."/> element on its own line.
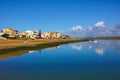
<point x="39" y="51"/>
<point x="55" y="47"/>
<point x="14" y="53"/>
<point x="99" y="46"/>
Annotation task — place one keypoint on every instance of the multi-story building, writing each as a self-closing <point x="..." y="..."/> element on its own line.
<point x="31" y="34"/>
<point x="52" y="35"/>
<point x="10" y="32"/>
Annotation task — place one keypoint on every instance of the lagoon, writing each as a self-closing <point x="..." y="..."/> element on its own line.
<point x="93" y="60"/>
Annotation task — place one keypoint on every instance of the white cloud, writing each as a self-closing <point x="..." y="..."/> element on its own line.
<point x="100" y="24"/>
<point x="77" y="28"/>
<point x="90" y="28"/>
<point x="97" y="30"/>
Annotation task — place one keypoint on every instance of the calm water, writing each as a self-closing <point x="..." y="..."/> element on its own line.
<point x="97" y="60"/>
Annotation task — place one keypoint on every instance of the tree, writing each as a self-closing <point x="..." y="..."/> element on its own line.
<point x="40" y="33"/>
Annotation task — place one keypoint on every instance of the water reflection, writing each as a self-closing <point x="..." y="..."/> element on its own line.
<point x="39" y="51"/>
<point x="21" y="51"/>
<point x="77" y="46"/>
<point x="99" y="46"/>
<point x="63" y="63"/>
<point x="54" y="47"/>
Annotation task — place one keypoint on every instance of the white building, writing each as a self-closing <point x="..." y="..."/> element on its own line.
<point x="52" y="35"/>
<point x="31" y="34"/>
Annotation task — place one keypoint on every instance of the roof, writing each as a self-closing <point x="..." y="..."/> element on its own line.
<point x="11" y="29"/>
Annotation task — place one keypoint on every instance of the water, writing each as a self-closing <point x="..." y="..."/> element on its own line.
<point x="93" y="60"/>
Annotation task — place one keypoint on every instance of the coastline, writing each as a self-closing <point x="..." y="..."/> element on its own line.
<point x="7" y="44"/>
<point x="11" y="48"/>
<point x="8" y="49"/>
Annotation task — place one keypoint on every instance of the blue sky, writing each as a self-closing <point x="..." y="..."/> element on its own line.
<point x="57" y="15"/>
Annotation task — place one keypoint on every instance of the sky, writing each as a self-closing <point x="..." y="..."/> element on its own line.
<point x="57" y="15"/>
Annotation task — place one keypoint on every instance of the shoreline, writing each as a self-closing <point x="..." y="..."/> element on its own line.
<point x="34" y="46"/>
<point x="12" y="48"/>
<point x="8" y="44"/>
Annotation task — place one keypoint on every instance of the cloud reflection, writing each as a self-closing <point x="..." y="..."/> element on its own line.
<point x="98" y="46"/>
<point x="77" y="46"/>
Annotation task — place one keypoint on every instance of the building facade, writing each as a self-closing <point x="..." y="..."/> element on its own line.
<point x="51" y="35"/>
<point x="31" y="34"/>
<point x="10" y="32"/>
